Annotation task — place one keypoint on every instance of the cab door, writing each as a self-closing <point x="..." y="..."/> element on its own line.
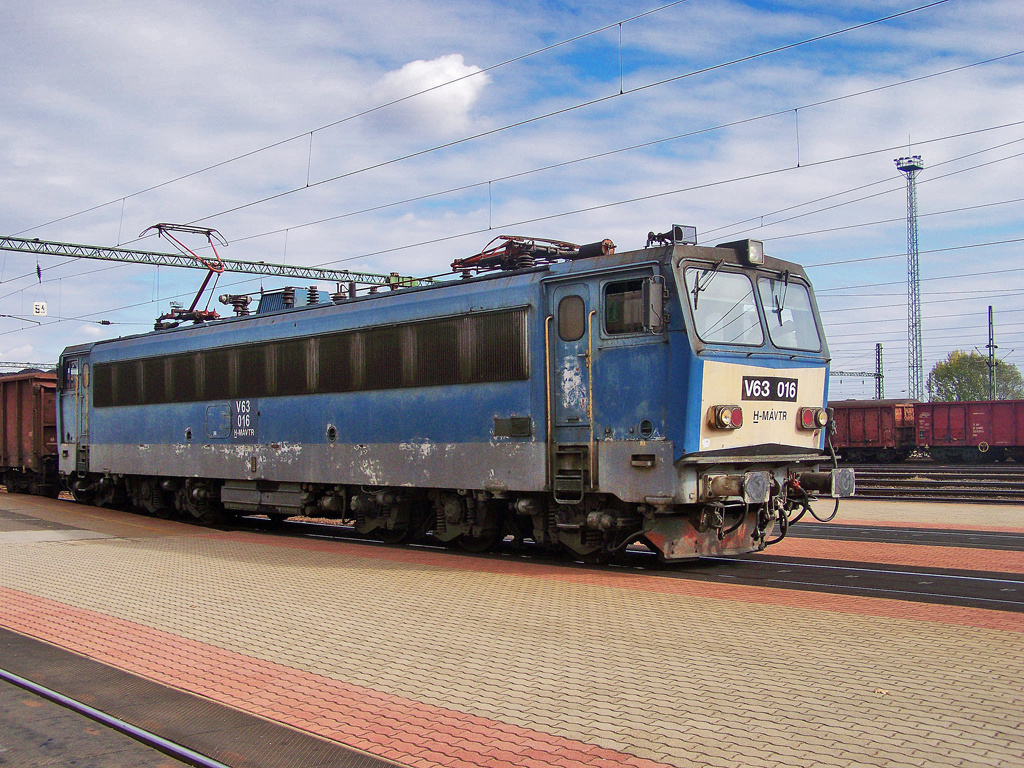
<point x="570" y="386"/>
<point x="74" y="414"/>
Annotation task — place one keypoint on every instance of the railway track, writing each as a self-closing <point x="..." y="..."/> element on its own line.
<point x="993" y="591"/>
<point x="44" y="725"/>
<point x="994" y="483"/>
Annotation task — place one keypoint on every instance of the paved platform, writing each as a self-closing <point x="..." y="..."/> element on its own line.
<point x="429" y="658"/>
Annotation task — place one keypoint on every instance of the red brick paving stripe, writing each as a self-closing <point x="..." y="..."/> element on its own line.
<point x="963" y="558"/>
<point x="815" y="601"/>
<point x="388" y="726"/>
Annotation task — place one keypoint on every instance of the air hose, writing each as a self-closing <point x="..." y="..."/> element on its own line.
<point x="723" y="531"/>
<point x="784" y="523"/>
<point x="835" y="465"/>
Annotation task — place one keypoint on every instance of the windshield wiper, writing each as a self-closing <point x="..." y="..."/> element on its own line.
<point x="780" y="303"/>
<point x="697" y="287"/>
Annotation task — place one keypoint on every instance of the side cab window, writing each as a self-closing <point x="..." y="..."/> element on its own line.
<point x="634" y="306"/>
<point x="69" y="375"/>
<point x="624" y="307"/>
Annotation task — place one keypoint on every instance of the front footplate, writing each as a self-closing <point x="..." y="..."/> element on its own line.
<point x="677" y="538"/>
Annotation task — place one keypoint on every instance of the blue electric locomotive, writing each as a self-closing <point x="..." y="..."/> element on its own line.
<point x="578" y="397"/>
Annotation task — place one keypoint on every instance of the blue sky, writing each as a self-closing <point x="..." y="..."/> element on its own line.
<point x="796" y="147"/>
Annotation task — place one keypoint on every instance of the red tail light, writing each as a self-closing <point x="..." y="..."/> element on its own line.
<point x="812" y="418"/>
<point x="737" y="417"/>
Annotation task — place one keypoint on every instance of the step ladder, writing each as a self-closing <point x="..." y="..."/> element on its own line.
<point x="570" y="473"/>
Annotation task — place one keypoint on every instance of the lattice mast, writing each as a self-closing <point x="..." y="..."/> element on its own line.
<point x="992" y="362"/>
<point x="911" y="166"/>
<point x="879" y="376"/>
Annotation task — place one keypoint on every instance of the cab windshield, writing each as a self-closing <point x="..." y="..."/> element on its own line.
<point x="724" y="308"/>
<point x="787" y="307"/>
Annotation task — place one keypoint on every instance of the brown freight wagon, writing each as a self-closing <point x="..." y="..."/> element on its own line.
<point x="974" y="431"/>
<point x="28" y="433"/>
<point x="873" y="430"/>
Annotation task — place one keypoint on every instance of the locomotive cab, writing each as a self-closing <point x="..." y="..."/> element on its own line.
<point x="688" y="392"/>
<point x="752" y="403"/>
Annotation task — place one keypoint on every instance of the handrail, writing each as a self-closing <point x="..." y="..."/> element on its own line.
<point x="549" y="417"/>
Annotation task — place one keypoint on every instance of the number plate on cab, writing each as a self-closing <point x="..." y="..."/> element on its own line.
<point x="769" y="388"/>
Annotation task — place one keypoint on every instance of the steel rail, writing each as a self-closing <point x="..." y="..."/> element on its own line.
<point x="148" y="738"/>
<point x="924" y="574"/>
<point x="951" y="533"/>
<point x="888" y="591"/>
<point x="978" y="483"/>
<point x="970" y="538"/>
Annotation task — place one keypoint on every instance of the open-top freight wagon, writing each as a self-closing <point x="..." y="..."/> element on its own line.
<point x="28" y="433"/>
<point x="873" y="430"/>
<point x="890" y="430"/>
<point x="974" y="431"/>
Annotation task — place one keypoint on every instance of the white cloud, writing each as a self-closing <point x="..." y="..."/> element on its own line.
<point x="443" y="111"/>
<point x="19" y="354"/>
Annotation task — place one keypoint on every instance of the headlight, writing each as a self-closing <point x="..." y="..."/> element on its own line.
<point x="725" y="417"/>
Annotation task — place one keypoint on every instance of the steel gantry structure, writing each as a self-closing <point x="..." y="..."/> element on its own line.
<point x="878" y="375"/>
<point x="130" y="255"/>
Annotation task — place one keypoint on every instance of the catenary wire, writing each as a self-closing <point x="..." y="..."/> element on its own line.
<point x="642" y="145"/>
<point x="683" y="135"/>
<point x="694" y="188"/>
<point x="895" y="220"/>
<point x="898" y="188"/>
<point x="644" y="86"/>
<point x="820" y="291"/>
<point x="932" y="250"/>
<point x="359" y="114"/>
<point x="866" y="285"/>
<point x="571" y="108"/>
<point x="774" y="171"/>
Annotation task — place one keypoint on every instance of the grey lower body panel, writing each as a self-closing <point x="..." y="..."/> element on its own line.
<point x="629" y="470"/>
<point x="633" y="470"/>
<point x="501" y="466"/>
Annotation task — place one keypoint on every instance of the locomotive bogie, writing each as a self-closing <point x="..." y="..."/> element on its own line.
<point x="566" y="404"/>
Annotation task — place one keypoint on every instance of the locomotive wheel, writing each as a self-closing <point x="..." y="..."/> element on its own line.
<point x="17" y="483"/>
<point x="599" y="557"/>
<point x="392" y="535"/>
<point x="480" y="542"/>
<point x="111" y="497"/>
<point x="82" y="497"/>
<point x="210" y="516"/>
<point x="490" y="529"/>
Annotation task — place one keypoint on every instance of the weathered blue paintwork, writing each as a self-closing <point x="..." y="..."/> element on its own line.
<point x="624" y="385"/>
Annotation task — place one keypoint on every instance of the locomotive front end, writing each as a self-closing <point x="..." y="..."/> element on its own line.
<point x="750" y="402"/>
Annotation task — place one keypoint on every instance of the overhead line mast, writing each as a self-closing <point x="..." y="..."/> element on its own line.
<point x="911" y="166"/>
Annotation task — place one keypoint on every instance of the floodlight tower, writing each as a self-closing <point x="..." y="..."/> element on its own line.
<point x="910" y="166"/>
